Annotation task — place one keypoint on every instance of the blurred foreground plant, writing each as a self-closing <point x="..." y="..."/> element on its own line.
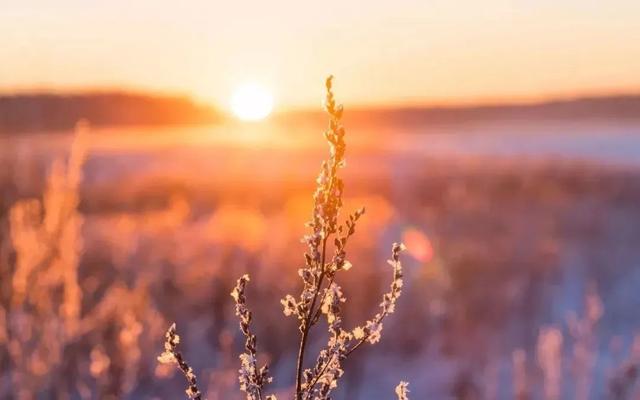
<point x="320" y="296"/>
<point x="41" y="301"/>
<point x="55" y="341"/>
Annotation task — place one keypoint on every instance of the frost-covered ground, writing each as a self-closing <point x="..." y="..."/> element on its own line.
<point x="510" y="226"/>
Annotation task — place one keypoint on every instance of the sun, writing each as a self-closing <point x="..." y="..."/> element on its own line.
<point x="251" y="102"/>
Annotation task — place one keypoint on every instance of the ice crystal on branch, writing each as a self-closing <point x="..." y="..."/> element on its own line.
<point x="320" y="296"/>
<point x="171" y="355"/>
<point x="402" y="391"/>
<point x="252" y="379"/>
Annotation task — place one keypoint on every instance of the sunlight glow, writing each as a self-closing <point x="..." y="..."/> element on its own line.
<point x="251" y="102"/>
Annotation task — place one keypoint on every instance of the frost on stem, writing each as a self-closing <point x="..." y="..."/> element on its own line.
<point x="320" y="294"/>
<point x="320" y="380"/>
<point x="252" y="379"/>
<point x="171" y="355"/>
<point x="402" y="391"/>
<point x="372" y="329"/>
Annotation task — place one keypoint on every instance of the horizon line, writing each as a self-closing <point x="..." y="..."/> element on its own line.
<point x="453" y="103"/>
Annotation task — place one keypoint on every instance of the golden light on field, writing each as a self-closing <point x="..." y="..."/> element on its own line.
<point x="252" y="102"/>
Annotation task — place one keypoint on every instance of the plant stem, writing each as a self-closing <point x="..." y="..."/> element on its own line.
<point x="317" y="377"/>
<point x="315" y="316"/>
<point x="307" y="325"/>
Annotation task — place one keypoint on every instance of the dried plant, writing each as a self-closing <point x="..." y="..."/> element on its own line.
<point x="171" y="355"/>
<point x="321" y="296"/>
<point x="402" y="391"/>
<point x="521" y="389"/>
<point x="42" y="302"/>
<point x="583" y="331"/>
<point x="55" y="340"/>
<point x="549" y="356"/>
<point x="252" y="379"/>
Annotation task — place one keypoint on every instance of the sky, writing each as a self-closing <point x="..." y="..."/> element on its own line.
<point x="381" y="52"/>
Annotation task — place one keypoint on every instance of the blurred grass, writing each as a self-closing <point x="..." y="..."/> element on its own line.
<point x="511" y="246"/>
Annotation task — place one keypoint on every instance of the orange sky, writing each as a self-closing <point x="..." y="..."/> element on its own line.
<point x="382" y="52"/>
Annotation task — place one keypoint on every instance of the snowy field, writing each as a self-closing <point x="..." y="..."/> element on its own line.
<point x="512" y="227"/>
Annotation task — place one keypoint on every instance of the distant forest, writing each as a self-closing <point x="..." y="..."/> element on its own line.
<point x="624" y="107"/>
<point x="52" y="112"/>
